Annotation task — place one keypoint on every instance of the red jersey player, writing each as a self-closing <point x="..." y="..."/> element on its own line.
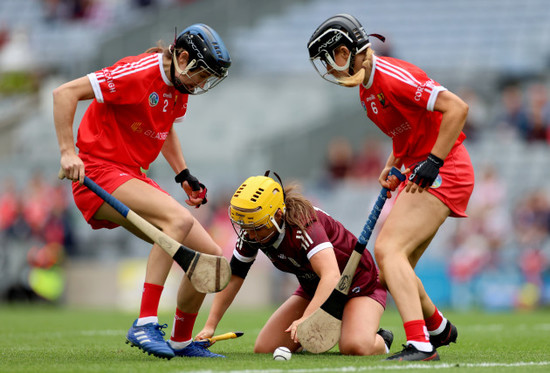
<point x="424" y="121"/>
<point x="136" y="103"/>
<point x="307" y="242"/>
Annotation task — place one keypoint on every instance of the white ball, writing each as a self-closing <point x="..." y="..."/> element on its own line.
<point x="282" y="353"/>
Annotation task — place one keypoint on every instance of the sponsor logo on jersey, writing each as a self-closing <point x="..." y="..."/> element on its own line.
<point x="109" y="78"/>
<point x="399" y="129"/>
<point x="295" y="263"/>
<point x="153" y="99"/>
<point x="437" y="182"/>
<point x="156" y="135"/>
<point x="421" y="88"/>
<point x="136" y="127"/>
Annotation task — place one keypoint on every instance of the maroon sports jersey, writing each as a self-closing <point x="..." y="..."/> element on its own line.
<point x="292" y="251"/>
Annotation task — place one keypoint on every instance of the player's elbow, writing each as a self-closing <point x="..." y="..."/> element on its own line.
<point x="463" y="109"/>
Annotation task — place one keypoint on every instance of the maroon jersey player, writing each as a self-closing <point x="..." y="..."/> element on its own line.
<point x="307" y="242"/>
<point x="424" y="121"/>
<point x="136" y="104"/>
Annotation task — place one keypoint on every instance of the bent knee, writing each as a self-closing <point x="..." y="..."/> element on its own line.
<point x="179" y="223"/>
<point x="359" y="348"/>
<point x="380" y="254"/>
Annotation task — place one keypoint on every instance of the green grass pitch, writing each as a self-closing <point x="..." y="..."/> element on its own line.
<point x="37" y="338"/>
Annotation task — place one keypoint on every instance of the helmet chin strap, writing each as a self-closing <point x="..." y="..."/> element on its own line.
<point x="174" y="66"/>
<point x="274" y="222"/>
<point x="352" y="57"/>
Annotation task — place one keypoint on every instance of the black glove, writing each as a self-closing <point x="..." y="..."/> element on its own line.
<point x="193" y="182"/>
<point x="425" y="172"/>
<point x="185" y="175"/>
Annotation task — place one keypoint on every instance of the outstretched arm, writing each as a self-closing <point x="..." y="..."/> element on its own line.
<point x="221" y="303"/>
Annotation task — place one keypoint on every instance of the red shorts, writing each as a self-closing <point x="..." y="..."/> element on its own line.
<point x="108" y="175"/>
<point x="455" y="182"/>
<point x="360" y="287"/>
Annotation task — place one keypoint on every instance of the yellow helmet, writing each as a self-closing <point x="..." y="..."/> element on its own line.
<point x="255" y="203"/>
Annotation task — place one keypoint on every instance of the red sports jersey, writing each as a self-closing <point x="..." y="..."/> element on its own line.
<point x="134" y="109"/>
<point x="292" y="251"/>
<point x="399" y="98"/>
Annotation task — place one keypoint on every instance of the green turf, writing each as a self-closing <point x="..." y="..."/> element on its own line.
<point x="49" y="339"/>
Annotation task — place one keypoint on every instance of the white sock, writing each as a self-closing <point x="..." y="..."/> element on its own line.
<point x="179" y="345"/>
<point x="441" y="327"/>
<point x="146" y="320"/>
<point x="422" y="346"/>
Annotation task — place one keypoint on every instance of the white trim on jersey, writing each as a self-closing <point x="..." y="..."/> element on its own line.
<point x="95" y="86"/>
<point x="323" y="211"/>
<point x="371" y="78"/>
<point x="404" y="76"/>
<point x="180" y="119"/>
<point x="320" y="247"/>
<point x="433" y="97"/>
<point x="162" y="72"/>
<point x="242" y="258"/>
<point x="397" y="72"/>
<point x="130" y="68"/>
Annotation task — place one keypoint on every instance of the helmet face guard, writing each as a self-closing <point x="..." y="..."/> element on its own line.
<point x="253" y="209"/>
<point x="208" y="62"/>
<point x="324" y="47"/>
<point x="341" y="29"/>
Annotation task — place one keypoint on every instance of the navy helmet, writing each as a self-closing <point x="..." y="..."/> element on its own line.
<point x="207" y="53"/>
<point x="341" y="29"/>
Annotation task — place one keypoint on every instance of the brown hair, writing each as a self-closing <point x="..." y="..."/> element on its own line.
<point x="299" y="211"/>
<point x="359" y="77"/>
<point x="160" y="48"/>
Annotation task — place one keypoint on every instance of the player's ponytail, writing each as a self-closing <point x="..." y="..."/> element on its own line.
<point x="359" y="76"/>
<point x="299" y="211"/>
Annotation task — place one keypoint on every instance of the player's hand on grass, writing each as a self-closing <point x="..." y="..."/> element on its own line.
<point x="205" y="333"/>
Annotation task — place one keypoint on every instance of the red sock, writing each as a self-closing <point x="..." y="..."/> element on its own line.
<point x="183" y="326"/>
<point x="150" y="300"/>
<point x="416" y="331"/>
<point x="434" y="321"/>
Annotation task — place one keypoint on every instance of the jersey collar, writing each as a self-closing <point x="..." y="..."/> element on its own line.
<point x="371" y="78"/>
<point x="281" y="236"/>
<point x="162" y="73"/>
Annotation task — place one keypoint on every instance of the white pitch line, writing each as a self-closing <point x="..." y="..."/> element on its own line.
<point x="385" y="367"/>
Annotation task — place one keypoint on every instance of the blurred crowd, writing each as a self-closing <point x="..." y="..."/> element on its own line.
<point x="36" y="234"/>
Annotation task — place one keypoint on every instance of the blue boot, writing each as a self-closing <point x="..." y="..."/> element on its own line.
<point x="150" y="338"/>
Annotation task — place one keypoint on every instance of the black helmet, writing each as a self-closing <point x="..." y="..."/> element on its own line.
<point x="207" y="52"/>
<point x="341" y="29"/>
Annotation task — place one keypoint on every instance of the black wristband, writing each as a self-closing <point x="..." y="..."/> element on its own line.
<point x="182" y="176"/>
<point x="438" y="162"/>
